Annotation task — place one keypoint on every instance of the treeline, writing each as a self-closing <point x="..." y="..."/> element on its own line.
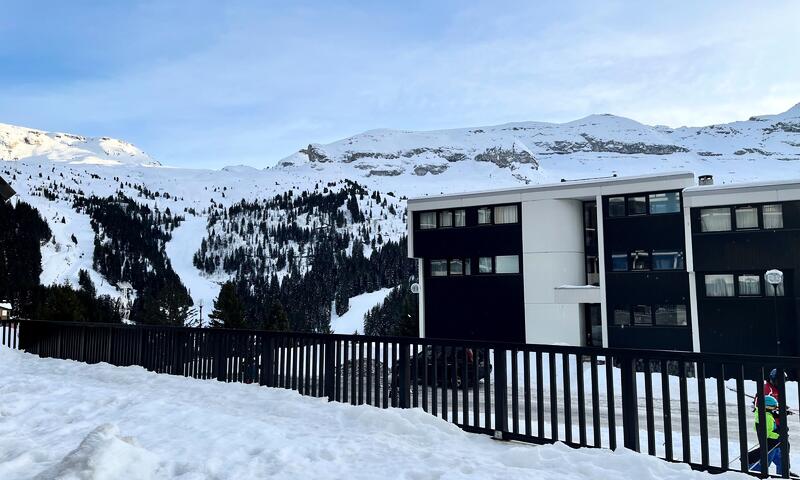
<point x="23" y="231"/>
<point x="129" y="246"/>
<point x="304" y="254"/>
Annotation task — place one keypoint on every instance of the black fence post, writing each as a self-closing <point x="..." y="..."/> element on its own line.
<point x="267" y="354"/>
<point x="405" y="373"/>
<point x="630" y="408"/>
<point x="784" y="426"/>
<point x="330" y="367"/>
<point x="219" y="354"/>
<point x="500" y="394"/>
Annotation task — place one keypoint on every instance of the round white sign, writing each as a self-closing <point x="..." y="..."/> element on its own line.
<point x="774" y="277"/>
<point x="415" y="288"/>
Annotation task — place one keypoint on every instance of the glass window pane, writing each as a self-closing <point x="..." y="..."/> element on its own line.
<point x="592" y="270"/>
<point x="622" y="316"/>
<point x="438" y="268"/>
<point x="484" y="215"/>
<point x="460" y="218"/>
<point x="640" y="260"/>
<point x="719" y="285"/>
<point x="637" y="205"/>
<point x="715" y="219"/>
<point x="668" y="260"/>
<point x="619" y="262"/>
<point x="506" y="264"/>
<point x="505" y="214"/>
<point x="485" y="265"/>
<point x="456" y="267"/>
<point x="467" y="267"/>
<point x="446" y="219"/>
<point x="773" y="216"/>
<point x="669" y="202"/>
<point x="749" y="285"/>
<point x="770" y="289"/>
<point x="616" y="207"/>
<point x="746" y="217"/>
<point x="642" y="315"/>
<point x="671" y="315"/>
<point x="427" y="220"/>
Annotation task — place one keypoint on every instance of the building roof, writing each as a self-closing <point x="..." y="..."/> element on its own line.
<point x="6" y="192"/>
<point x="5" y="306"/>
<point x="790" y="184"/>
<point x="576" y="186"/>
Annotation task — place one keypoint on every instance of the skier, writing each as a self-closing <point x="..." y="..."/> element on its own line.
<point x="771" y="409"/>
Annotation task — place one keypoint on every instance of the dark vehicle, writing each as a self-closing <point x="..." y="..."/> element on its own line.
<point x="451" y="366"/>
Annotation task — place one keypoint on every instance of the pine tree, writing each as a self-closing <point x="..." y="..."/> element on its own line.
<point x="228" y="311"/>
<point x="277" y="321"/>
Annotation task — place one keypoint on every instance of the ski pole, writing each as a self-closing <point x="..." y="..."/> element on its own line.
<point x="740" y="456"/>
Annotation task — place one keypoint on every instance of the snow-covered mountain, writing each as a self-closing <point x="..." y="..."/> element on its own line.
<point x="17" y="143"/>
<point x="592" y="146"/>
<point x="50" y="170"/>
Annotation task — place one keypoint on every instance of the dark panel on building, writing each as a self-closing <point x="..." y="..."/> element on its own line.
<point x="648" y="232"/>
<point x="741" y="324"/>
<point x="662" y="338"/>
<point x="476" y="307"/>
<point x="6" y="192"/>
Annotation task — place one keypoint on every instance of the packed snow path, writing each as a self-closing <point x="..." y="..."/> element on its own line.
<point x="63" y="419"/>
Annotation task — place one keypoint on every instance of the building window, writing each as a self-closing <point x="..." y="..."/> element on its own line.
<point x="770" y="289"/>
<point x="456" y="266"/>
<point x="506" y="264"/>
<point x="467" y="266"/>
<point x="619" y="262"/>
<point x="460" y="218"/>
<point x="669" y="202"/>
<point x="438" y="268"/>
<point x="715" y="219"/>
<point x="427" y="220"/>
<point x="616" y="207"/>
<point x="642" y="315"/>
<point x="749" y="285"/>
<point x="446" y="219"/>
<point x="772" y="216"/>
<point x="746" y="218"/>
<point x="640" y="260"/>
<point x="719" y="285"/>
<point x="592" y="270"/>
<point x="505" y="214"/>
<point x="485" y="265"/>
<point x="622" y="316"/>
<point x="668" y="260"/>
<point x="637" y="205"/>
<point x="671" y="316"/>
<point x="484" y="216"/>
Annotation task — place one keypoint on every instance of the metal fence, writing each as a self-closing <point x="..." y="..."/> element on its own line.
<point x="683" y="407"/>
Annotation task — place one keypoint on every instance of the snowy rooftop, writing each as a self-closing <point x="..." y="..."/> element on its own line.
<point x="567" y="184"/>
<point x="5" y="306"/>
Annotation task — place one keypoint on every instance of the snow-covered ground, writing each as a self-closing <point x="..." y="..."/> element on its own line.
<point x="353" y="319"/>
<point x="67" y="420"/>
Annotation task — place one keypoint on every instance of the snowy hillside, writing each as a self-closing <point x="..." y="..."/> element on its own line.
<point x="52" y="171"/>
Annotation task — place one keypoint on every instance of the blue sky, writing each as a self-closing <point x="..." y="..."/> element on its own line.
<point x="209" y="83"/>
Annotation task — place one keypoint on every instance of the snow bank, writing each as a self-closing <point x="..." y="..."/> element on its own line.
<point x="105" y="455"/>
<point x="64" y="419"/>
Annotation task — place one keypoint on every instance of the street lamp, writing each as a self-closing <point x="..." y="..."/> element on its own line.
<point x="775" y="277"/>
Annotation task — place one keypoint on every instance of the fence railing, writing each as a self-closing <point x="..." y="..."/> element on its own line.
<point x="683" y="407"/>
